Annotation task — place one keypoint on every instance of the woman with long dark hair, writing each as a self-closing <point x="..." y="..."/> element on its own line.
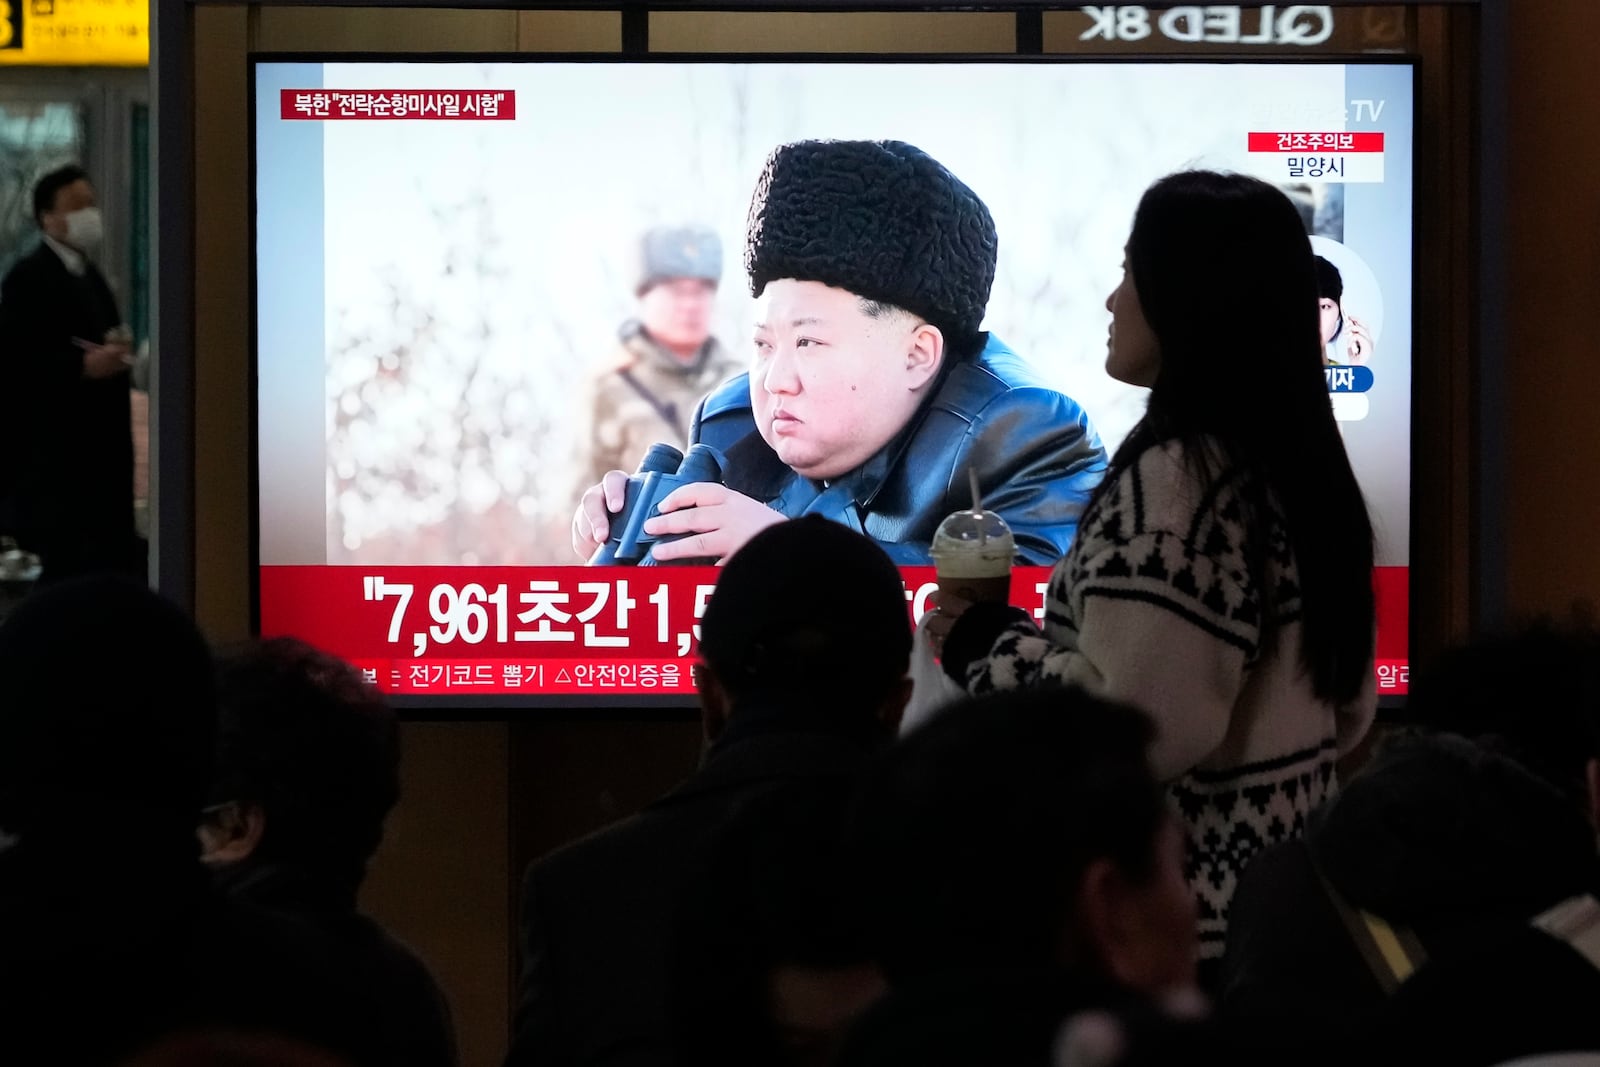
<point x="1221" y="578"/>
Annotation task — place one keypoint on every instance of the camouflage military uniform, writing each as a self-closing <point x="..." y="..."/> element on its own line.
<point x="649" y="396"/>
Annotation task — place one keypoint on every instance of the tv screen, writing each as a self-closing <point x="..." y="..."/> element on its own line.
<point x="480" y="284"/>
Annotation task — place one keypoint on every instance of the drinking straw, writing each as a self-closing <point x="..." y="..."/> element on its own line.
<point x="977" y="505"/>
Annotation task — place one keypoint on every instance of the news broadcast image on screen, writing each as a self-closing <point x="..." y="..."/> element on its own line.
<point x="480" y="285"/>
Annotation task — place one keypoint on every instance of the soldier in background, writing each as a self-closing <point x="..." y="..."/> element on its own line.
<point x="667" y="358"/>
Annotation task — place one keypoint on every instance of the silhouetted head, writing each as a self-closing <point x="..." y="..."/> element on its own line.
<point x="1531" y="693"/>
<point x="811" y="617"/>
<point x="108" y="721"/>
<point x="1026" y="832"/>
<point x="308" y="762"/>
<point x="1226" y="279"/>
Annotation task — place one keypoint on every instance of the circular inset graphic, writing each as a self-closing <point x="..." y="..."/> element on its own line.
<point x="1351" y="303"/>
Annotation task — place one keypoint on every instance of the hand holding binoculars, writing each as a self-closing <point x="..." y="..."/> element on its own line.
<point x="662" y="470"/>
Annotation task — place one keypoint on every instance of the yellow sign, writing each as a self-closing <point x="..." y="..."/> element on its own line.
<point x="75" y="33"/>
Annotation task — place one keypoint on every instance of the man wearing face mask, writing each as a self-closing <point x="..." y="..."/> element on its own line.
<point x="65" y="359"/>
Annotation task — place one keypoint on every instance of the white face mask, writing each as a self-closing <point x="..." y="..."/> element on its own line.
<point x="85" y="229"/>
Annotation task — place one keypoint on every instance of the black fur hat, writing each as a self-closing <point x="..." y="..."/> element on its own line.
<point x="881" y="219"/>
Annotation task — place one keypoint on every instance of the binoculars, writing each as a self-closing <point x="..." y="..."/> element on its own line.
<point x="662" y="470"/>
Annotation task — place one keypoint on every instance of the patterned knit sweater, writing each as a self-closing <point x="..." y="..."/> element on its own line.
<point x="1155" y="606"/>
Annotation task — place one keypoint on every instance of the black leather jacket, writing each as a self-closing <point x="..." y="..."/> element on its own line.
<point x="1037" y="458"/>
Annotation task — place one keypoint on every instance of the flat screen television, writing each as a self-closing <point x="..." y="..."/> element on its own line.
<point x="447" y="257"/>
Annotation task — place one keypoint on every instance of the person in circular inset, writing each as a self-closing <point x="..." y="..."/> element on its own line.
<point x="1345" y="339"/>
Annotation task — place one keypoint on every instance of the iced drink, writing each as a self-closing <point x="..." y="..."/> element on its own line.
<point x="972" y="555"/>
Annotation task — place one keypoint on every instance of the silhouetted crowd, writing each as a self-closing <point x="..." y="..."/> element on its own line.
<point x="182" y="836"/>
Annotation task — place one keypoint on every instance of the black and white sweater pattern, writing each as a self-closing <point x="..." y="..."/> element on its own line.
<point x="1155" y="605"/>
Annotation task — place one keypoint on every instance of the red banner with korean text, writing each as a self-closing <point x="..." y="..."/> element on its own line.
<point x="1314" y="141"/>
<point x="448" y="105"/>
<point x="550" y="631"/>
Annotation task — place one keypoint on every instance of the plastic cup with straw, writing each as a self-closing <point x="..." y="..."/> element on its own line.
<point x="973" y="551"/>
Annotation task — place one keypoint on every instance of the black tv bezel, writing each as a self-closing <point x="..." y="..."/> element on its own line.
<point x="599" y="706"/>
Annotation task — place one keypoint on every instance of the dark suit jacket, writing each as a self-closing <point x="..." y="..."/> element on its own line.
<point x="1036" y="455"/>
<point x="1518" y="993"/>
<point x="403" y="1011"/>
<point x="1435" y="835"/>
<point x="102" y="955"/>
<point x="71" y="500"/>
<point x="598" y="916"/>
